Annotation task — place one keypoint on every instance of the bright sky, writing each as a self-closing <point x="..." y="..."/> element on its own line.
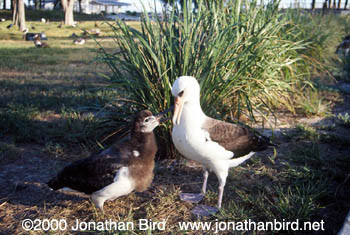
<point x="136" y="5"/>
<point x="149" y="4"/>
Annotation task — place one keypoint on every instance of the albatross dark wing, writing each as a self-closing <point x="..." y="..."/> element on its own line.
<point x="92" y="174"/>
<point x="239" y="139"/>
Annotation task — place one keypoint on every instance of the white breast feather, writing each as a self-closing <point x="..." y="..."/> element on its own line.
<point x="123" y="184"/>
<point x="195" y="143"/>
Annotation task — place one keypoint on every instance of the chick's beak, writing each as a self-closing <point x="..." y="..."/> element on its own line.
<point x="178" y="110"/>
<point x="160" y="117"/>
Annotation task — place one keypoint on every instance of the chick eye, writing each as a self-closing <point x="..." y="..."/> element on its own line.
<point x="181" y="93"/>
<point x="147" y="119"/>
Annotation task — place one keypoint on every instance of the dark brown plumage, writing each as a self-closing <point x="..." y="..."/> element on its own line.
<point x="237" y="138"/>
<point x="126" y="166"/>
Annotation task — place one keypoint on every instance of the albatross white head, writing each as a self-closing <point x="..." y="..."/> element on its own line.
<point x="185" y="89"/>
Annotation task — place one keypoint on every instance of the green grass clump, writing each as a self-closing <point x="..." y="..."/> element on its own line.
<point x="344" y="119"/>
<point x="307" y="132"/>
<point x="234" y="49"/>
<point x="321" y="33"/>
<point x="311" y="103"/>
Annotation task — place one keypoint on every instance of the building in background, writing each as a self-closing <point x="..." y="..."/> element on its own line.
<point x="101" y="6"/>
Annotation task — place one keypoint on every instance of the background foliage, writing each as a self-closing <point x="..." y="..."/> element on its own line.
<point x="250" y="59"/>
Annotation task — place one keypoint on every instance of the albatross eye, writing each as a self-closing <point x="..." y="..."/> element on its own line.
<point x="147" y="119"/>
<point x="181" y="93"/>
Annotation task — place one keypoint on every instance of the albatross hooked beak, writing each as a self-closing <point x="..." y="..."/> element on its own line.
<point x="179" y="102"/>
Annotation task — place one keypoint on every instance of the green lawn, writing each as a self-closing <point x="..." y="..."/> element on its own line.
<point x="62" y="83"/>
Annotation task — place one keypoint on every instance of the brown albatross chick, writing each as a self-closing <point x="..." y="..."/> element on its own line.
<point x="125" y="167"/>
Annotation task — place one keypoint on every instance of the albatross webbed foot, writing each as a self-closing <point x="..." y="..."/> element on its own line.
<point x="191" y="197"/>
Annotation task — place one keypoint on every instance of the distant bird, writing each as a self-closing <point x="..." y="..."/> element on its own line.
<point x="3" y="19"/>
<point x="43" y="20"/>
<point x="80" y="41"/>
<point x="210" y="142"/>
<point x="31" y="36"/>
<point x="38" y="43"/>
<point x="85" y="33"/>
<point x="125" y="167"/>
<point x="95" y="31"/>
<point x="26" y="35"/>
<point x="43" y="36"/>
<point x="9" y="26"/>
<point x="60" y="25"/>
<point x="96" y="25"/>
<point x="33" y="28"/>
<point x="344" y="46"/>
<point x="73" y="35"/>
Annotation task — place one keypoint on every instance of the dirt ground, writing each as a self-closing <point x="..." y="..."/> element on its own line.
<point x="24" y="193"/>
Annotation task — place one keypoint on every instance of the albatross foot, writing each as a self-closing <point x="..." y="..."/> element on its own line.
<point x="202" y="210"/>
<point x="191" y="197"/>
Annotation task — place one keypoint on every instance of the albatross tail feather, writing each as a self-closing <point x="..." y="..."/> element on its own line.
<point x="237" y="161"/>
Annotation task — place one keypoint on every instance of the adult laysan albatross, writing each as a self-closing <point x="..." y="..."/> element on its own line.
<point x="210" y="142"/>
<point x="117" y="171"/>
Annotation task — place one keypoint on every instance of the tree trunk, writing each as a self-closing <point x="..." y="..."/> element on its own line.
<point x="14" y="12"/>
<point x="313" y="4"/>
<point x="57" y="4"/>
<point x="21" y="15"/>
<point x="4" y="6"/>
<point x="37" y="4"/>
<point x="80" y="9"/>
<point x="334" y="4"/>
<point x="68" y="11"/>
<point x="339" y="3"/>
<point x="346" y="3"/>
